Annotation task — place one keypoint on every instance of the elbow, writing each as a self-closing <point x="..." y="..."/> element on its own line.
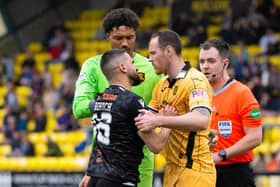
<point x="76" y="112"/>
<point x="155" y="150"/>
<point x="258" y="141"/>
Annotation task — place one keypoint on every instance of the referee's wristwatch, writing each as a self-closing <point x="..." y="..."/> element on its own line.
<point x="223" y="154"/>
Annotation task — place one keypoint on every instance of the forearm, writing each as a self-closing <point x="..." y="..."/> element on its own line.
<point x="192" y="121"/>
<point x="81" y="108"/>
<point x="155" y="141"/>
<point x="247" y="143"/>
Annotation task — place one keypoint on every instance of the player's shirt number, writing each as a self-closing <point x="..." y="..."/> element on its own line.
<point x="102" y="127"/>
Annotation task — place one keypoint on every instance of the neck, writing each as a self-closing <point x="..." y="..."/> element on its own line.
<point x="219" y="82"/>
<point x="175" y="67"/>
<point x="121" y="82"/>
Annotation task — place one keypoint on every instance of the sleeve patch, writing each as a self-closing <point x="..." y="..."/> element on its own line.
<point x="255" y="113"/>
<point x="199" y="94"/>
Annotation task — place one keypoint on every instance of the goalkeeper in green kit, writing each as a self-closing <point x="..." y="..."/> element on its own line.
<point x="120" y="26"/>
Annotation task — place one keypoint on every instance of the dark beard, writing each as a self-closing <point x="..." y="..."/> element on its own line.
<point x="137" y="79"/>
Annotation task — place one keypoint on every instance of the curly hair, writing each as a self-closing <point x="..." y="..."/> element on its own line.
<point x="120" y="17"/>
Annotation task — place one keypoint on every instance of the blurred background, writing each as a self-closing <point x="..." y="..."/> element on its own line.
<point x="43" y="44"/>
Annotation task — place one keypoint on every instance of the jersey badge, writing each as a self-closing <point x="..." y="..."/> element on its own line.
<point x="198" y="95"/>
<point x="225" y="128"/>
<point x="82" y="76"/>
<point x="255" y="113"/>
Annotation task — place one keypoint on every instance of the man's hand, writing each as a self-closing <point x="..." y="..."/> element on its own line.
<point x="168" y="111"/>
<point x="216" y="158"/>
<point x="213" y="139"/>
<point x="146" y="121"/>
<point x="84" y="182"/>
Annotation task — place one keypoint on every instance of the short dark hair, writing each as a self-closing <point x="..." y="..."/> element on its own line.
<point x="222" y="47"/>
<point x="107" y="61"/>
<point x="119" y="17"/>
<point x="169" y="37"/>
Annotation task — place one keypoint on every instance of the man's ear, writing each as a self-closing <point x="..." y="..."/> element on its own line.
<point x="107" y="36"/>
<point x="168" y="51"/>
<point x="122" y="67"/>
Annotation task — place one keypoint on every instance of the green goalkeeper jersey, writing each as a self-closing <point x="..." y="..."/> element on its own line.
<point x="92" y="81"/>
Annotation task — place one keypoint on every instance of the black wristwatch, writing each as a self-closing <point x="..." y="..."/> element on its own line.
<point x="223" y="154"/>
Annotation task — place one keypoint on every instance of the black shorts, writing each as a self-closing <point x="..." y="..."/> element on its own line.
<point x="233" y="175"/>
<point x="102" y="182"/>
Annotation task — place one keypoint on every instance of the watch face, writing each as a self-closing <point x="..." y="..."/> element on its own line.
<point x="223" y="154"/>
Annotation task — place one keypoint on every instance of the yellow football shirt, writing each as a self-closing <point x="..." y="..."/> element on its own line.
<point x="189" y="90"/>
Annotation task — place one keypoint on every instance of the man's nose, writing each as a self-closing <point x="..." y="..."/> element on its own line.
<point x="124" y="44"/>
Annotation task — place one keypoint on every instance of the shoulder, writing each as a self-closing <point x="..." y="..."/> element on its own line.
<point x="142" y="62"/>
<point x="92" y="61"/>
<point x="240" y="88"/>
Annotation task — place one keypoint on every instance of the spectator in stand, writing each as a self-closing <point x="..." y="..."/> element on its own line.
<point x="37" y="84"/>
<point x="23" y="120"/>
<point x="58" y="25"/>
<point x="53" y="149"/>
<point x="226" y="33"/>
<point x="273" y="17"/>
<point x="7" y="65"/>
<point x="268" y="42"/>
<point x="29" y="61"/>
<point x="197" y="35"/>
<point x="11" y="98"/>
<point x="182" y="23"/>
<point x="10" y="128"/>
<point x="26" y="147"/>
<point x="40" y="116"/>
<point x="57" y="43"/>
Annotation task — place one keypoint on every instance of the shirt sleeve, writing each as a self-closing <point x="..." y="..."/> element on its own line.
<point x="249" y="109"/>
<point x="85" y="90"/>
<point x="199" y="93"/>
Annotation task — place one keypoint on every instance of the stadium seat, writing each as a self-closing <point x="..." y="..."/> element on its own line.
<point x="23" y="93"/>
<point x="40" y="149"/>
<point x="5" y="150"/>
<point x="35" y="47"/>
<point x="37" y="137"/>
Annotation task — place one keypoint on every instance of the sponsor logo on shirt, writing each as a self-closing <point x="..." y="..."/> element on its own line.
<point x="199" y="94"/>
<point x="82" y="76"/>
<point x="225" y="128"/>
<point x="255" y="113"/>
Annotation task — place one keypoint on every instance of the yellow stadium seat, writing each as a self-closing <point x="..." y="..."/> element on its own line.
<point x="2" y="137"/>
<point x="254" y="50"/>
<point x="23" y="92"/>
<point x="68" y="149"/>
<point x="37" y="137"/>
<point x="40" y="149"/>
<point x="5" y="150"/>
<point x="213" y="30"/>
<point x="76" y="136"/>
<point x="30" y="125"/>
<point x="59" y="137"/>
<point x="20" y="57"/>
<point x="275" y="60"/>
<point x="275" y="135"/>
<point x="265" y="148"/>
<point x="185" y="40"/>
<point x="35" y="47"/>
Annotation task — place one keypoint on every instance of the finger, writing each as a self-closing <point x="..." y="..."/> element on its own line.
<point x="142" y="111"/>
